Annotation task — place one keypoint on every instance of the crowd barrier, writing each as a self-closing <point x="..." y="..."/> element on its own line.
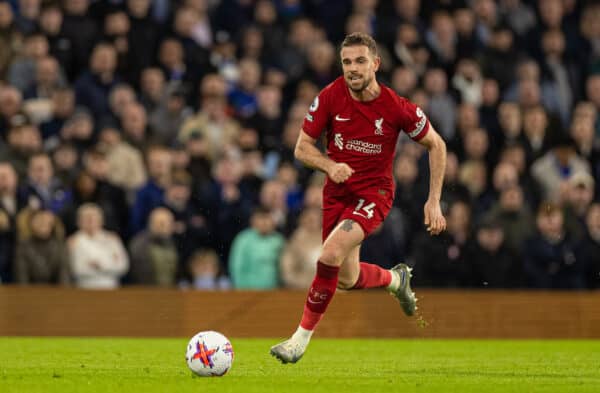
<point x="151" y="312"/>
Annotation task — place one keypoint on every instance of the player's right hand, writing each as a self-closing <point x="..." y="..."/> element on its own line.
<point x="340" y="172"/>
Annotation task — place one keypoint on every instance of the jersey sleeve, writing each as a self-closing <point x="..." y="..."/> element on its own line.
<point x="413" y="120"/>
<point x="317" y="117"/>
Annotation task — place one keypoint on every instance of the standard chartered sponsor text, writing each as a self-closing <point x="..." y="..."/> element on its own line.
<point x="363" y="147"/>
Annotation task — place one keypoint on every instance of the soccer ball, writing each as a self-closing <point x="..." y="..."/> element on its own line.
<point x="209" y="354"/>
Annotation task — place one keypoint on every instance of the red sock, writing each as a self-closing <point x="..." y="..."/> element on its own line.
<point x="372" y="276"/>
<point x="319" y="295"/>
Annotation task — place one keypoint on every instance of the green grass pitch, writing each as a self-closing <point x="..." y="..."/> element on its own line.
<point x="359" y="365"/>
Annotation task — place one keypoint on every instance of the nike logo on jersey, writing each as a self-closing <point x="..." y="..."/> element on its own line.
<point x="338" y="118"/>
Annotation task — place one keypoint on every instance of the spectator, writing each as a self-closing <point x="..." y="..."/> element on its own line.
<point x="79" y="129"/>
<point x="93" y="86"/>
<point x="9" y="200"/>
<point x="473" y="175"/>
<point x="588" y="250"/>
<point x="441" y="38"/>
<point x="514" y="216"/>
<point x="321" y="64"/>
<point x="125" y="163"/>
<point x="98" y="258"/>
<point x="243" y="96"/>
<point x="499" y="58"/>
<point x="92" y="186"/>
<point x="563" y="72"/>
<point x="134" y="123"/>
<point x="404" y="81"/>
<point x="152" y="88"/>
<point x="468" y="81"/>
<point x="231" y="203"/>
<point x="10" y="38"/>
<point x="149" y="196"/>
<point x="205" y="272"/>
<point x="192" y="227"/>
<point x="11" y="101"/>
<point x="9" y="207"/>
<point x="255" y="252"/>
<point x="273" y="197"/>
<point x="549" y="259"/>
<point x="409" y="196"/>
<point x="510" y="122"/>
<point x="51" y="25"/>
<point x="154" y="258"/>
<point x="117" y="31"/>
<point x="587" y="146"/>
<point x="65" y="159"/>
<point x="119" y="98"/>
<point x="578" y="198"/>
<point x="453" y="190"/>
<point x="187" y="26"/>
<point x="442" y="108"/>
<point x="592" y="89"/>
<point x="439" y="262"/>
<point x="537" y="134"/>
<point x="143" y="29"/>
<point x="490" y="262"/>
<point x="172" y="62"/>
<point x="268" y="118"/>
<point x="519" y="16"/>
<point x="297" y="264"/>
<point x="47" y="79"/>
<point x="169" y="115"/>
<point x="552" y="170"/>
<point x="62" y="102"/>
<point x="22" y="70"/>
<point x="43" y="258"/>
<point x="212" y="121"/>
<point x="81" y="30"/>
<point x="43" y="189"/>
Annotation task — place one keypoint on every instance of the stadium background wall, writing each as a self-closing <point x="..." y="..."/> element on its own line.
<point x="144" y="312"/>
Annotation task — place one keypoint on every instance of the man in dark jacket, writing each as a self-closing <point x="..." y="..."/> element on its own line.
<point x="43" y="258"/>
<point x="549" y="256"/>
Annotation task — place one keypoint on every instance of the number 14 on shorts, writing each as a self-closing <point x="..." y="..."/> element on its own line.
<point x="361" y="209"/>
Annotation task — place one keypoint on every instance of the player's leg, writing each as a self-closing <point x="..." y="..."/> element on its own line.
<point x="350" y="270"/>
<point x="369" y="213"/>
<point x="338" y="245"/>
<point x="360" y="275"/>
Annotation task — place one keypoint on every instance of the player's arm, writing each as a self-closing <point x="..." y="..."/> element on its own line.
<point x="308" y="153"/>
<point x="434" y="219"/>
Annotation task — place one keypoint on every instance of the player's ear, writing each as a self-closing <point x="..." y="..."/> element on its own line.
<point x="376" y="63"/>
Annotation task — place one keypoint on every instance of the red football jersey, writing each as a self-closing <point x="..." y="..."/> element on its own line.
<point x="363" y="134"/>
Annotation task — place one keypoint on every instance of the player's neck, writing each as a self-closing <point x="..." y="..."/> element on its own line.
<point x="369" y="93"/>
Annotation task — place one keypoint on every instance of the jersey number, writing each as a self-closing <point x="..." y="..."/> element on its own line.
<point x="365" y="208"/>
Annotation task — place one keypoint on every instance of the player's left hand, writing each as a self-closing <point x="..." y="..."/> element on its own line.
<point x="434" y="219"/>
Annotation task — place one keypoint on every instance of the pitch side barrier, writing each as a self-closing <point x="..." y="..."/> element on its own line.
<point x="151" y="312"/>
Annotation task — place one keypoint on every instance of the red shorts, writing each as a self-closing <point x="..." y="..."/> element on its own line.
<point x="367" y="208"/>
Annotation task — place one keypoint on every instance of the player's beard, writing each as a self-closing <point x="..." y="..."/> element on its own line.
<point x="361" y="88"/>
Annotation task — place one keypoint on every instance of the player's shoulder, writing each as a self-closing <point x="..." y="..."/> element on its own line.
<point x="329" y="95"/>
<point x="335" y="88"/>
<point x="391" y="95"/>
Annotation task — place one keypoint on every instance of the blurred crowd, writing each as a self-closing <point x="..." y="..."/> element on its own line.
<point x="151" y="142"/>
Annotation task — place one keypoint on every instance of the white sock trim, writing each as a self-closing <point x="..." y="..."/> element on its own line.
<point x="302" y="335"/>
<point x="395" y="281"/>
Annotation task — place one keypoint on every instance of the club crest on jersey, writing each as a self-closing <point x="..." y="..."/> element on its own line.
<point x="379" y="126"/>
<point x="315" y="104"/>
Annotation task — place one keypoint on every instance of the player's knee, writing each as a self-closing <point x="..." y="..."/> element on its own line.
<point x="345" y="283"/>
<point x="332" y="255"/>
